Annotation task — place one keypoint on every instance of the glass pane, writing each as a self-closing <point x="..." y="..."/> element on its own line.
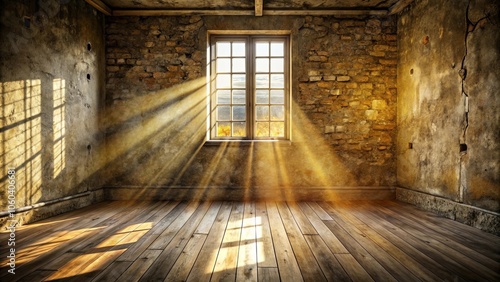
<point x="262" y="112"/>
<point x="223" y="113"/>
<point x="262" y="129"/>
<point x="262" y="65"/>
<point x="223" y="49"/>
<point x="223" y="81"/>
<point x="239" y="81"/>
<point x="239" y="129"/>
<point x="277" y="96"/>
<point x="239" y="65"/>
<point x="262" y="80"/>
<point x="239" y="113"/>
<point x="277" y="112"/>
<point x="277" y="65"/>
<point x="277" y="49"/>
<point x="239" y="49"/>
<point x="262" y="96"/>
<point x="277" y="129"/>
<point x="277" y="81"/>
<point x="223" y="96"/>
<point x="223" y="65"/>
<point x="262" y="49"/>
<point x="223" y="129"/>
<point x="239" y="97"/>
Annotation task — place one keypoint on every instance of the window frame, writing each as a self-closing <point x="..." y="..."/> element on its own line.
<point x="250" y="40"/>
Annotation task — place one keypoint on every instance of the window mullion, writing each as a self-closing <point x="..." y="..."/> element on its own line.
<point x="250" y="88"/>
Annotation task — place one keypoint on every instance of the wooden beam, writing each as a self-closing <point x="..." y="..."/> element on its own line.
<point x="249" y="12"/>
<point x="399" y="6"/>
<point x="259" y="7"/>
<point x="100" y="6"/>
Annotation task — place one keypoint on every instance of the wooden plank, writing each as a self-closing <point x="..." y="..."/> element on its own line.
<point x="170" y="212"/>
<point x="287" y="263"/>
<point x="469" y="267"/>
<point x="204" y="265"/>
<point x="322" y="214"/>
<point x="207" y="222"/>
<point x="405" y="242"/>
<point x="140" y="266"/>
<point x="399" y="6"/>
<point x="172" y="251"/>
<point x="100" y="6"/>
<point x="112" y="272"/>
<point x="247" y="254"/>
<point x="265" y="248"/>
<point x="186" y="260"/>
<point x="302" y="221"/>
<point x="308" y="265"/>
<point x="329" y="12"/>
<point x="227" y="259"/>
<point x="355" y="271"/>
<point x="352" y="225"/>
<point x="329" y="238"/>
<point x="268" y="274"/>
<point x="259" y="7"/>
<point x="329" y="264"/>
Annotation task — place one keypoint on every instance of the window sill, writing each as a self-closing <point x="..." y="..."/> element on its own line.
<point x="239" y="143"/>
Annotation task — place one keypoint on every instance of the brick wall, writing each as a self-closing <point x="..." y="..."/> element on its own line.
<point x="343" y="104"/>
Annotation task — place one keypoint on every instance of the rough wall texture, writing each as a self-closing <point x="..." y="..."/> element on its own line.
<point x="52" y="87"/>
<point x="343" y="105"/>
<point x="448" y="85"/>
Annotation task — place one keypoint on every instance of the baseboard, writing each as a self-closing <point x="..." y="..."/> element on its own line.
<point x="254" y="193"/>
<point x="479" y="218"/>
<point x="43" y="210"/>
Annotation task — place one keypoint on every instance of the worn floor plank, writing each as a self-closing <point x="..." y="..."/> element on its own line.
<point x="252" y="241"/>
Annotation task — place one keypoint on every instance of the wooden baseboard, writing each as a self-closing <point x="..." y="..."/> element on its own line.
<point x="253" y="194"/>
<point x="479" y="218"/>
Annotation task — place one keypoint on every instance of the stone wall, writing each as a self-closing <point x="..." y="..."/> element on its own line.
<point x="52" y="90"/>
<point x="343" y="107"/>
<point x="448" y="119"/>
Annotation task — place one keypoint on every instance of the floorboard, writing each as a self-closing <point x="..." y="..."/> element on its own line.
<point x="252" y="241"/>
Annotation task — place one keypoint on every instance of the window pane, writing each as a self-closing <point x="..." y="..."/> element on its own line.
<point x="262" y="65"/>
<point x="239" y="81"/>
<point x="223" y="113"/>
<point x="239" y="97"/>
<point x="239" y="65"/>
<point x="278" y="113"/>
<point x="262" y="113"/>
<point x="262" y="96"/>
<point x="223" y="96"/>
<point x="277" y="65"/>
<point x="223" y="65"/>
<point x="262" y="49"/>
<point x="239" y="113"/>
<point x="277" y="49"/>
<point x="262" y="129"/>
<point x="262" y="80"/>
<point x="223" y="81"/>
<point x="277" y="81"/>
<point x="277" y="97"/>
<point x="239" y="49"/>
<point x="223" y="129"/>
<point x="239" y="129"/>
<point x="223" y="49"/>
<point x="277" y="129"/>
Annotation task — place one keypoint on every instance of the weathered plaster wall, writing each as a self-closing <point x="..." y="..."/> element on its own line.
<point x="52" y="88"/>
<point x="343" y="105"/>
<point x="448" y="85"/>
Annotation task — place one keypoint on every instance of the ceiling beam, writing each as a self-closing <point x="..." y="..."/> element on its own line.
<point x="248" y="12"/>
<point x="259" y="7"/>
<point x="399" y="6"/>
<point x="100" y="6"/>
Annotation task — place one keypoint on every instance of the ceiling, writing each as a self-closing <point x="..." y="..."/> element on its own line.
<point x="249" y="7"/>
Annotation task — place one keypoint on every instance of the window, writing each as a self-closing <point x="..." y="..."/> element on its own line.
<point x="249" y="87"/>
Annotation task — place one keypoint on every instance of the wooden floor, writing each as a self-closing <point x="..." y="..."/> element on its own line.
<point x="269" y="241"/>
